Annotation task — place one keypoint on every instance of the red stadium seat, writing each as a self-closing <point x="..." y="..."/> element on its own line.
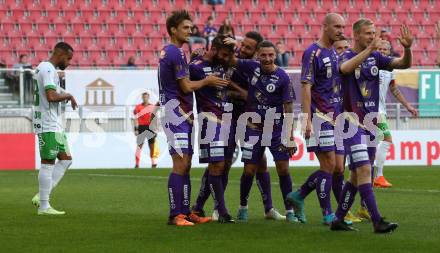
<point x="143" y="23"/>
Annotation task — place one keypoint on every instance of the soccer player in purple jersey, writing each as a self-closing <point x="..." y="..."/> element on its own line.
<point x="176" y="97"/>
<point x="213" y="106"/>
<point x="247" y="50"/>
<point x="270" y="96"/>
<point x="320" y="105"/>
<point x="359" y="70"/>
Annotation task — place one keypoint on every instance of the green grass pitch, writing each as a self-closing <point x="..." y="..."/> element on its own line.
<point x="126" y="211"/>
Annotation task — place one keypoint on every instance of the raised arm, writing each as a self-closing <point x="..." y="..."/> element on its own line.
<point x="401" y="98"/>
<point x="406" y="40"/>
<point x="349" y="66"/>
<point x="189" y="86"/>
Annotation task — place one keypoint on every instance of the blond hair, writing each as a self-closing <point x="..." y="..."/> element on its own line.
<point x="360" y="23"/>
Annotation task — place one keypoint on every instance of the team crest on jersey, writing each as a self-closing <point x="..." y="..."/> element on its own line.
<point x="357" y="72"/>
<point x="364" y="91"/>
<point x="374" y="71"/>
<point x="270" y="87"/>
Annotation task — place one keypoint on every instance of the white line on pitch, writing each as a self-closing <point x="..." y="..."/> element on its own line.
<point x="237" y="181"/>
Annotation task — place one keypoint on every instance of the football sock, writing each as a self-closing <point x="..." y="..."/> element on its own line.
<point x="175" y="193"/>
<point x="286" y="188"/>
<point x="45" y="184"/>
<point x="216" y="186"/>
<point x="309" y="185"/>
<point x="381" y="155"/>
<point x="203" y="193"/>
<point x="263" y="183"/>
<point x="346" y="200"/>
<point x="245" y="188"/>
<point x="58" y="171"/>
<point x="337" y="185"/>
<point x="367" y="195"/>
<point x="225" y="179"/>
<point x="323" y="188"/>
<point x="186" y="194"/>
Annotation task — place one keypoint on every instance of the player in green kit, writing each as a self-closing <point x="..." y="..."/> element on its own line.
<point x="48" y="125"/>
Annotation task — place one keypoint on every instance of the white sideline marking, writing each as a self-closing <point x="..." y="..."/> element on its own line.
<point x="237" y="181"/>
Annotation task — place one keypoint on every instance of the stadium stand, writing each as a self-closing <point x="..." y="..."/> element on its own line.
<point x="106" y="32"/>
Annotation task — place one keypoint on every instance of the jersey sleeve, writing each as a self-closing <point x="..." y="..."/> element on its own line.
<point x="136" y="110"/>
<point x="196" y="73"/>
<point x="46" y="76"/>
<point x="308" y="67"/>
<point x="384" y="62"/>
<point x="179" y="64"/>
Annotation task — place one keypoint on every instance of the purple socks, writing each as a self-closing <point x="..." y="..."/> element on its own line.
<point x="337" y="185"/>
<point x="367" y="195"/>
<point x="175" y="193"/>
<point x="217" y="191"/>
<point x="309" y="185"/>
<point x="203" y="193"/>
<point x="346" y="200"/>
<point x="245" y="188"/>
<point x="186" y="194"/>
<point x="323" y="188"/>
<point x="263" y="182"/>
<point x="286" y="188"/>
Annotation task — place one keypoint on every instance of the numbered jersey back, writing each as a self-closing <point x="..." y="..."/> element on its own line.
<point x="47" y="115"/>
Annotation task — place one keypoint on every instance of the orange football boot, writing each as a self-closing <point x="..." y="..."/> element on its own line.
<point x="381" y="182"/>
<point x="195" y="218"/>
<point x="180" y="220"/>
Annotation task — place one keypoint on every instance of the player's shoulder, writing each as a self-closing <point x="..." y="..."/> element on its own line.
<point x="347" y="54"/>
<point x="169" y="50"/>
<point x="282" y="74"/>
<point x="312" y="48"/>
<point x="45" y="66"/>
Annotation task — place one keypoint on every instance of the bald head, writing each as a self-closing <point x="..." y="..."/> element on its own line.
<point x="333" y="28"/>
<point x="331" y="18"/>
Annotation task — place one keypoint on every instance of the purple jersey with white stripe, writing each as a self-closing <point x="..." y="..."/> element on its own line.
<point x="320" y="69"/>
<point x="172" y="67"/>
<point x="266" y="90"/>
<point x="209" y="98"/>
<point x="361" y="88"/>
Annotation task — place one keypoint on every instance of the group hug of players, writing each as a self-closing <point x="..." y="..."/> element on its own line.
<point x="236" y="81"/>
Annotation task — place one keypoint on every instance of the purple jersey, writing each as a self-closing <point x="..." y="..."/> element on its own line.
<point x="209" y="98"/>
<point x="361" y="88"/>
<point x="172" y="67"/>
<point x="320" y="69"/>
<point x="266" y="90"/>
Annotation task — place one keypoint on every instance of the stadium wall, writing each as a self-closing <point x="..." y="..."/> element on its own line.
<point x="117" y="150"/>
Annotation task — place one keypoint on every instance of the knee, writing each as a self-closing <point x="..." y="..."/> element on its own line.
<point x="283" y="171"/>
<point x="216" y="169"/>
<point x="249" y="170"/>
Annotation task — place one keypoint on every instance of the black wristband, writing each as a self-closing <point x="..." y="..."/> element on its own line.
<point x="136" y="128"/>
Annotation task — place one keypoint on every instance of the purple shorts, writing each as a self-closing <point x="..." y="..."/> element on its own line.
<point x="254" y="153"/>
<point x="322" y="140"/>
<point x="358" y="152"/>
<point x="180" y="138"/>
<point x="214" y="146"/>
